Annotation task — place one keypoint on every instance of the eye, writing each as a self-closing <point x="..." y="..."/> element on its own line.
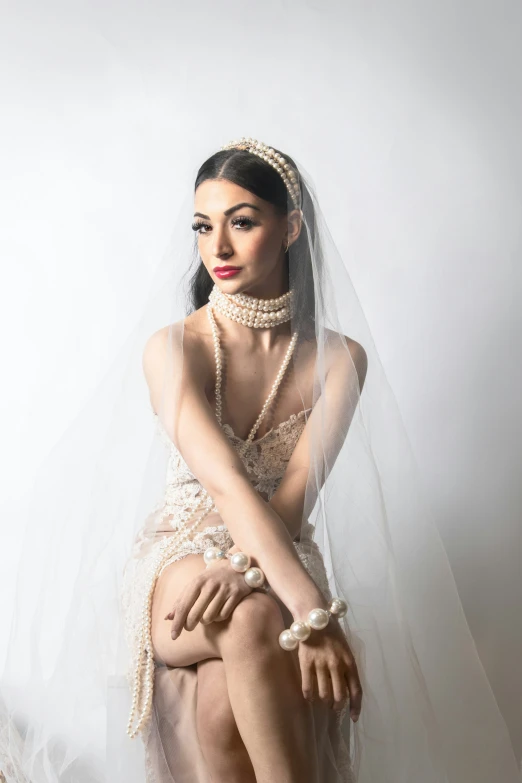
<point x="243" y="219"/>
<point x="199" y="225"/>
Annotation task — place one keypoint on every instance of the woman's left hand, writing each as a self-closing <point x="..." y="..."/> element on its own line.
<point x="211" y="597"/>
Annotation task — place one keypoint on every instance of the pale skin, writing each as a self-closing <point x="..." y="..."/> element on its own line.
<point x="259" y="728"/>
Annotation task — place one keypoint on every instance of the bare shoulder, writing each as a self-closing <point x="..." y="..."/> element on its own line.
<point x="357" y="356"/>
<point x="185" y="341"/>
<point x="360" y="359"/>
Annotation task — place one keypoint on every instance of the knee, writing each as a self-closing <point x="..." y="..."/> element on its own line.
<point x="257" y="619"/>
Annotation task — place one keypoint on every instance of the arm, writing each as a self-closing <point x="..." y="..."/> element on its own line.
<point x="177" y="391"/>
<point x="288" y="500"/>
<point x="343" y="387"/>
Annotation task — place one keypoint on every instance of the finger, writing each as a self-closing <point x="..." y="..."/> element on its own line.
<point x="170" y="615"/>
<point x="213" y="609"/>
<point x="355" y="689"/>
<point x="339" y="688"/>
<point x="198" y="609"/>
<point x="324" y="685"/>
<point x="227" y="608"/>
<point x="184" y="605"/>
<point x="307" y="681"/>
<point x="193" y="588"/>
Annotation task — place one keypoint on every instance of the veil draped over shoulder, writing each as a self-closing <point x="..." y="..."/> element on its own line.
<point x="428" y="712"/>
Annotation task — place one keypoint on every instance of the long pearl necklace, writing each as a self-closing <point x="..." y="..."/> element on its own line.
<point x="144" y="663"/>
<point x="219" y="373"/>
<point x="143" y="685"/>
<point x="251" y="311"/>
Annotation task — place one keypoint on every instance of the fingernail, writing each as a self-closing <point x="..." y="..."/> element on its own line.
<point x="174" y="634"/>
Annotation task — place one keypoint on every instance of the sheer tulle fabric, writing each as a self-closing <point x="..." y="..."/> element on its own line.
<point x="173" y="751"/>
<point x="175" y="689"/>
<point x="97" y="513"/>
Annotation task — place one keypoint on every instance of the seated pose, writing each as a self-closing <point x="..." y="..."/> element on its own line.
<point x="284" y="611"/>
<point x="242" y="668"/>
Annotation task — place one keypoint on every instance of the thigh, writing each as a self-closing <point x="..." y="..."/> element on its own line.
<point x="203" y="641"/>
<point x="190" y="646"/>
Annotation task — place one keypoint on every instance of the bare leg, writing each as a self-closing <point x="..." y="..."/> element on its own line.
<point x="264" y="687"/>
<point x="263" y="680"/>
<point x="221" y="742"/>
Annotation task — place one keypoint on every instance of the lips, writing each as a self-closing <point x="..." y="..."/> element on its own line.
<point x="226" y="271"/>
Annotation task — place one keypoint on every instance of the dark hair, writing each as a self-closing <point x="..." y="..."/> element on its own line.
<point x="256" y="175"/>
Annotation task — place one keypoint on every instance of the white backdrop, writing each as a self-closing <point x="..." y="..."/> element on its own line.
<point x="408" y="117"/>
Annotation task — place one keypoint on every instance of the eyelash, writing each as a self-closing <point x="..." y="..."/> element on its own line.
<point x="239" y="219"/>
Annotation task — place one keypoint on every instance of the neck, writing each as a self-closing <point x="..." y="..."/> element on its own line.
<point x="253" y="311"/>
<point x="258" y="321"/>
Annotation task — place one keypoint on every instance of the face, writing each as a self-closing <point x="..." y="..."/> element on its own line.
<point x="239" y="230"/>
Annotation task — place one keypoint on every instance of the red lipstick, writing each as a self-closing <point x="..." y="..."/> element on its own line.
<point x="223" y="272"/>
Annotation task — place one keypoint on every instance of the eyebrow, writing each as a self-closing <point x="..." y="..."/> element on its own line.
<point x="229" y="211"/>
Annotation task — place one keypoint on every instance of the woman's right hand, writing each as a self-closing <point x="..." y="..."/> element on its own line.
<point x="210" y="597"/>
<point x="329" y="670"/>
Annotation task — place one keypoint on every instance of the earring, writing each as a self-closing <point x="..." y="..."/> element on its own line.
<point x="287" y="246"/>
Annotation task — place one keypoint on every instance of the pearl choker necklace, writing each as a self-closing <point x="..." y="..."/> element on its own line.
<point x="250" y="311"/>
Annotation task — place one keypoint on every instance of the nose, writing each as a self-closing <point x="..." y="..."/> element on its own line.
<point x="221" y="247"/>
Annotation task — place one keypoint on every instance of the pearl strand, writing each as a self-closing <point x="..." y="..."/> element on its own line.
<point x="260" y="304"/>
<point x="254" y="312"/>
<point x="170" y="544"/>
<point x="240" y="562"/>
<point x="166" y="548"/>
<point x="217" y="357"/>
<point x="318" y="619"/>
<point x="275" y="385"/>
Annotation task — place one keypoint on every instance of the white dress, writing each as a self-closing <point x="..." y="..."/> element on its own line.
<point x="172" y="751"/>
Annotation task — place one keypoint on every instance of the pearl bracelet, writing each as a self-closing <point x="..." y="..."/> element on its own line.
<point x="318" y="619"/>
<point x="240" y="562"/>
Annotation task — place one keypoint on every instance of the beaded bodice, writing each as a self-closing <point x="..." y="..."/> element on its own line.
<point x="265" y="461"/>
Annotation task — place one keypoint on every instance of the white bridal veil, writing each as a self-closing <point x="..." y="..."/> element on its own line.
<point x="428" y="712"/>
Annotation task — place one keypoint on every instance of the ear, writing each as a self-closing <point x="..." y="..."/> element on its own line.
<point x="294" y="226"/>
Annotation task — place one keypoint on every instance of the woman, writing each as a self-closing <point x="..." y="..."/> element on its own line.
<point x="267" y="455"/>
<point x="244" y="235"/>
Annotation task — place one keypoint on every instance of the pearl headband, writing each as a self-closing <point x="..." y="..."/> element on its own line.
<point x="277" y="161"/>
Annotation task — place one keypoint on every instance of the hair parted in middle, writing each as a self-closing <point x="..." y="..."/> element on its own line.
<point x="256" y="175"/>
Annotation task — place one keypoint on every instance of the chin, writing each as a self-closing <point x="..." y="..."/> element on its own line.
<point x="239" y="284"/>
<point x="231" y="286"/>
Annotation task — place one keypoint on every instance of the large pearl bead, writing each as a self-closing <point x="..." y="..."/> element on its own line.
<point x="240" y="562"/>
<point x="254" y="577"/>
<point x="212" y="554"/>
<point x="318" y="619"/>
<point x="338" y="607"/>
<point x="300" y="630"/>
<point x="287" y="640"/>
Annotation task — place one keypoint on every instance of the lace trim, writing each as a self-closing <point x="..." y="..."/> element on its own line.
<point x="265" y="460"/>
<point x="281" y="427"/>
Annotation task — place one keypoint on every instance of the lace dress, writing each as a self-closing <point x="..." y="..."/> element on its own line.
<point x="172" y="752"/>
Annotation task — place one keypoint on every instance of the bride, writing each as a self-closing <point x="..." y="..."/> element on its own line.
<point x="254" y="713"/>
<point x="286" y="610"/>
